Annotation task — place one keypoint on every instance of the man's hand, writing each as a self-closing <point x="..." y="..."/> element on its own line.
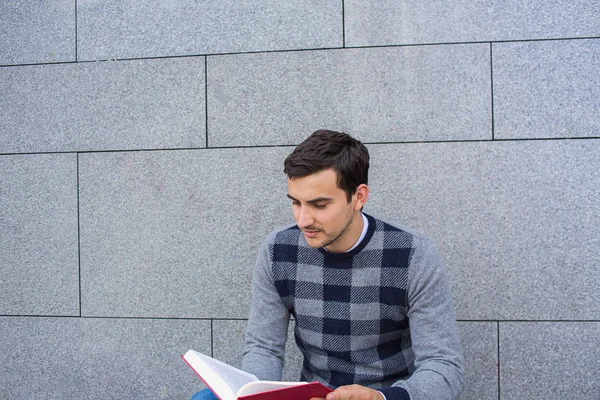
<point x="353" y="392"/>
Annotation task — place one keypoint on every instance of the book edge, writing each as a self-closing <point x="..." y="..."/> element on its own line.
<point x="183" y="356"/>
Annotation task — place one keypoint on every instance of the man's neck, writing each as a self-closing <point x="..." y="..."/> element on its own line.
<point x="363" y="233"/>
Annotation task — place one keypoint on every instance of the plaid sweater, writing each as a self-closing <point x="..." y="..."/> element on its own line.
<point x="380" y="315"/>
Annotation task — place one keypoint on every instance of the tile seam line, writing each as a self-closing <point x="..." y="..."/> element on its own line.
<point x="198" y="55"/>
<point x="301" y="50"/>
<point x="343" y="24"/>
<point x="498" y="356"/>
<point x="76" y="55"/>
<point x="124" y="318"/>
<point x="501" y="321"/>
<point x="212" y="341"/>
<point x="206" y="145"/>
<point x="492" y="89"/>
<point x="79" y="239"/>
<point x="589" y="321"/>
<point x="591" y="138"/>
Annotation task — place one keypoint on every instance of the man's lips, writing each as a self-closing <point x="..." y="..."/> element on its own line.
<point x="310" y="234"/>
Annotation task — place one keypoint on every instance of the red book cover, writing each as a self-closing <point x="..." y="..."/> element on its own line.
<point x="300" y="392"/>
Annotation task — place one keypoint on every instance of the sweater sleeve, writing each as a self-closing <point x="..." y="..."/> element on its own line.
<point x="438" y="357"/>
<point x="266" y="333"/>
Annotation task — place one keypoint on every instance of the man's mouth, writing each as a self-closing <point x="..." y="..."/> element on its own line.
<point x="310" y="233"/>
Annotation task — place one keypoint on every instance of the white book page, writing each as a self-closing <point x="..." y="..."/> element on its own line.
<point x="223" y="379"/>
<point x="265" y="386"/>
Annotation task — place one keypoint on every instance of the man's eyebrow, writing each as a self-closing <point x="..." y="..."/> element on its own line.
<point x="313" y="201"/>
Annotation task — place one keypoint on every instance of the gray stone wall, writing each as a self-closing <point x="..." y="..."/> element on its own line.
<point x="141" y="150"/>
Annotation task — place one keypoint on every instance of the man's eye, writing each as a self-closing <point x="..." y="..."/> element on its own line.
<point x="295" y="203"/>
<point x="320" y="206"/>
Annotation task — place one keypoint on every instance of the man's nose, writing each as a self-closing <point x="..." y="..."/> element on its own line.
<point x="304" y="218"/>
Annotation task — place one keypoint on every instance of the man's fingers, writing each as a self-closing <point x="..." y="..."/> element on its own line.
<point x="354" y="392"/>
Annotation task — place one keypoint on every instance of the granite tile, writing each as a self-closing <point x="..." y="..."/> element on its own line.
<point x="37" y="32"/>
<point x="88" y="358"/>
<point x="517" y="221"/>
<point x="479" y="341"/>
<point x="228" y="342"/>
<point x="370" y="23"/>
<point x="550" y="360"/>
<point x="116" y="105"/>
<point x="152" y="28"/>
<point x="382" y="94"/>
<point x="176" y="233"/>
<point x="39" y="270"/>
<point x="547" y="89"/>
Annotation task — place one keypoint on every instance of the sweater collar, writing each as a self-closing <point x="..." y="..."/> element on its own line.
<point x="358" y="247"/>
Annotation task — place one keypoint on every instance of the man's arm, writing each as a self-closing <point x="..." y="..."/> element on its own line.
<point x="438" y="362"/>
<point x="438" y="357"/>
<point x="266" y="333"/>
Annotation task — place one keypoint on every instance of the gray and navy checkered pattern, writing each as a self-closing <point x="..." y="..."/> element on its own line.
<point x="350" y="308"/>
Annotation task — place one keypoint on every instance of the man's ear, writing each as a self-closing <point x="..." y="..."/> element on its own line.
<point x="361" y="194"/>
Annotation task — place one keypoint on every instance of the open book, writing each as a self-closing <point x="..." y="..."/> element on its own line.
<point x="230" y="383"/>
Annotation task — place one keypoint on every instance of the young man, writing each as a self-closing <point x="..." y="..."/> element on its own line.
<point x="373" y="312"/>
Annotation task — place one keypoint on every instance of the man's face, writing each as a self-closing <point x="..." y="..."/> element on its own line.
<point x="323" y="212"/>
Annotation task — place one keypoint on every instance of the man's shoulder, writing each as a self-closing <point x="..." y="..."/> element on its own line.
<point x="397" y="229"/>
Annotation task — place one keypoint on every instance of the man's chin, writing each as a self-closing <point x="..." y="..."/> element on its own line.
<point x="313" y="242"/>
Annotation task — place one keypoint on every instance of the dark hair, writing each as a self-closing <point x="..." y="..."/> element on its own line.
<point x="324" y="149"/>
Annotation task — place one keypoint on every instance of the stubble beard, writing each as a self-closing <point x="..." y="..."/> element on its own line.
<point x="330" y="239"/>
